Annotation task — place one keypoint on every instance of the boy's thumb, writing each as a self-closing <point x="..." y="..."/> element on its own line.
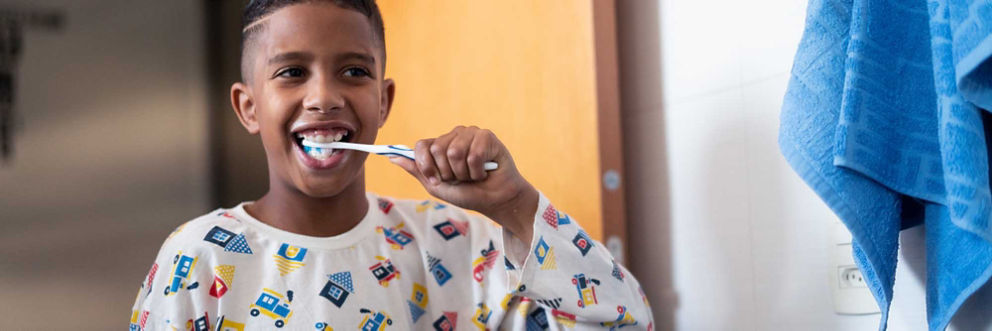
<point x="407" y="164"/>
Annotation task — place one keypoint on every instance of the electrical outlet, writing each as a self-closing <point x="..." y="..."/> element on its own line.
<point x="850" y="291"/>
<point x="850" y="277"/>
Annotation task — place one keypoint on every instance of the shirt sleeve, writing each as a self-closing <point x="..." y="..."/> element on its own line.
<point x="174" y="294"/>
<point x="566" y="279"/>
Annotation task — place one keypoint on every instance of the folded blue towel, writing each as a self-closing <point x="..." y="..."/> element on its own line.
<point x="882" y="119"/>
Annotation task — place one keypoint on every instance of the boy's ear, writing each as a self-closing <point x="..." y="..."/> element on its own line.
<point x="244" y="106"/>
<point x="386" y="101"/>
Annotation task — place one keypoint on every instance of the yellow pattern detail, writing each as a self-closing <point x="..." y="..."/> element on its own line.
<point x="549" y="260"/>
<point x="506" y="301"/>
<point x="286" y="266"/>
<point x="225" y="272"/>
<point x="417" y="288"/>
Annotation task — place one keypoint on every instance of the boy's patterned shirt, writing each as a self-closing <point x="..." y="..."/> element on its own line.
<point x="407" y="265"/>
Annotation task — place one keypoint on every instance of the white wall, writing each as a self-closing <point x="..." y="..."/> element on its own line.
<point x="110" y="157"/>
<point x="746" y="241"/>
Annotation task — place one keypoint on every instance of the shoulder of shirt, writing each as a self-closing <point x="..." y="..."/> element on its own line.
<point x="429" y="216"/>
<point x="191" y="234"/>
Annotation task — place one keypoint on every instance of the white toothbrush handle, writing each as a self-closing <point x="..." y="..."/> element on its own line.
<point x="386" y="150"/>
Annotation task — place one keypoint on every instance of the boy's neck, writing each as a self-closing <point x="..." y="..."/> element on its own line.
<point x="294" y="211"/>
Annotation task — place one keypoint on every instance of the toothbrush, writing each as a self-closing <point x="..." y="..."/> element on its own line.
<point x="387" y="150"/>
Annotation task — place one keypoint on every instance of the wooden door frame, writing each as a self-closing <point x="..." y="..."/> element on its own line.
<point x="609" y="128"/>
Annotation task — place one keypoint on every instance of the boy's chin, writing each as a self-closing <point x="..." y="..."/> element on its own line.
<point x="322" y="188"/>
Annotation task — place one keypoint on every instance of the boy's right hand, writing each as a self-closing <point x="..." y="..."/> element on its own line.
<point x="451" y="168"/>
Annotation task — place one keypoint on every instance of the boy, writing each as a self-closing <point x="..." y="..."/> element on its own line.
<point x="318" y="252"/>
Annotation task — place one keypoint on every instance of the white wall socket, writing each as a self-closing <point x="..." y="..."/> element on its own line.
<point x="847" y="285"/>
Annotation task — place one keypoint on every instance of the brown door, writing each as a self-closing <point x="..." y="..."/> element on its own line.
<point x="526" y="70"/>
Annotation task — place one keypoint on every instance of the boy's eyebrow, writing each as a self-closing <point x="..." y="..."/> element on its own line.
<point x="357" y="56"/>
<point x="289" y="56"/>
<point x="303" y="56"/>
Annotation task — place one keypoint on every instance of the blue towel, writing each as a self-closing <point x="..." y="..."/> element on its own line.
<point x="883" y="119"/>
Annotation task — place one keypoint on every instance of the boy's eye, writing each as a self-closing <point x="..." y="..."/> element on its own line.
<point x="356" y="72"/>
<point x="291" y="72"/>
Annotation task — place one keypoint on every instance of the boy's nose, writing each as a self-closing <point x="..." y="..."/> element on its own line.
<point x="323" y="98"/>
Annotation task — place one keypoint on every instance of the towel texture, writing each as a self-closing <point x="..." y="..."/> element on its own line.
<point x="882" y="118"/>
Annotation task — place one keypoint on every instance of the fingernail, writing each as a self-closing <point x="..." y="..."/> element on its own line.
<point x="433" y="180"/>
<point x="394" y="160"/>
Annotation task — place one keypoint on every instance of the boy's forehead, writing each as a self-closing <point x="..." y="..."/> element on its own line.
<point x="318" y="28"/>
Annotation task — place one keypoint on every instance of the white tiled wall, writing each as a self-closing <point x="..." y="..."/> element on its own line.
<point x="749" y="240"/>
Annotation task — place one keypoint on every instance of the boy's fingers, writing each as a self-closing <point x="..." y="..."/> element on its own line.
<point x="439" y="150"/>
<point x="477" y="155"/>
<point x="409" y="165"/>
<point x="425" y="161"/>
<point x="457" y="153"/>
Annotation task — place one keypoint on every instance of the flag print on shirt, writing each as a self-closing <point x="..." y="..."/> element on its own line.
<point x="563" y="318"/>
<point x="397" y="238"/>
<point x="138" y="321"/>
<point x="554" y="218"/>
<point x="223" y="276"/>
<point x="545" y="255"/>
<point x="289" y="258"/>
<point x="582" y="242"/>
<point x="446" y="322"/>
<point x="553" y="303"/>
<point x="384" y="271"/>
<point x="481" y="316"/>
<point x="617" y="273"/>
<point x="151" y="277"/>
<point x="338" y="287"/>
<point x="421" y="207"/>
<point x="418" y="301"/>
<point x="486" y="261"/>
<point x="385" y="205"/>
<point x="452" y="228"/>
<point x="551" y="216"/>
<point x="228" y="240"/>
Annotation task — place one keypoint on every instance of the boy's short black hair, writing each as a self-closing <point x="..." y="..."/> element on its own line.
<point x="257" y="9"/>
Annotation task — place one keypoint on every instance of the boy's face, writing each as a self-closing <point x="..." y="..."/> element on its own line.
<point x="316" y="74"/>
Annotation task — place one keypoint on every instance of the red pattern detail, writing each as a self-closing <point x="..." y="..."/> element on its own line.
<point x="144" y="318"/>
<point x="151" y="274"/>
<point x="559" y="313"/>
<point x="218" y="289"/>
<point x="453" y="318"/>
<point x="385" y="205"/>
<point x="551" y="216"/>
<point x="462" y="226"/>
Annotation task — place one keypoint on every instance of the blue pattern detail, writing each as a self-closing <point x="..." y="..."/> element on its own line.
<point x="415" y="311"/>
<point x="344" y="279"/>
<point x="238" y="245"/>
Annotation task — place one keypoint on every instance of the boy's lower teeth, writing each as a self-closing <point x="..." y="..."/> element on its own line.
<point x="319" y="153"/>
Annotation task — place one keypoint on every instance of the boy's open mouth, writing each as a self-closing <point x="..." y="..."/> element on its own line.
<point x="321" y="136"/>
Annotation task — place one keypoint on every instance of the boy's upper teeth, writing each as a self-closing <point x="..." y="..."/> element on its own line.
<point x="325" y="137"/>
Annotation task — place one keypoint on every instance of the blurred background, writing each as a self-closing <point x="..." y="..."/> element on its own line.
<point x="653" y="122"/>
